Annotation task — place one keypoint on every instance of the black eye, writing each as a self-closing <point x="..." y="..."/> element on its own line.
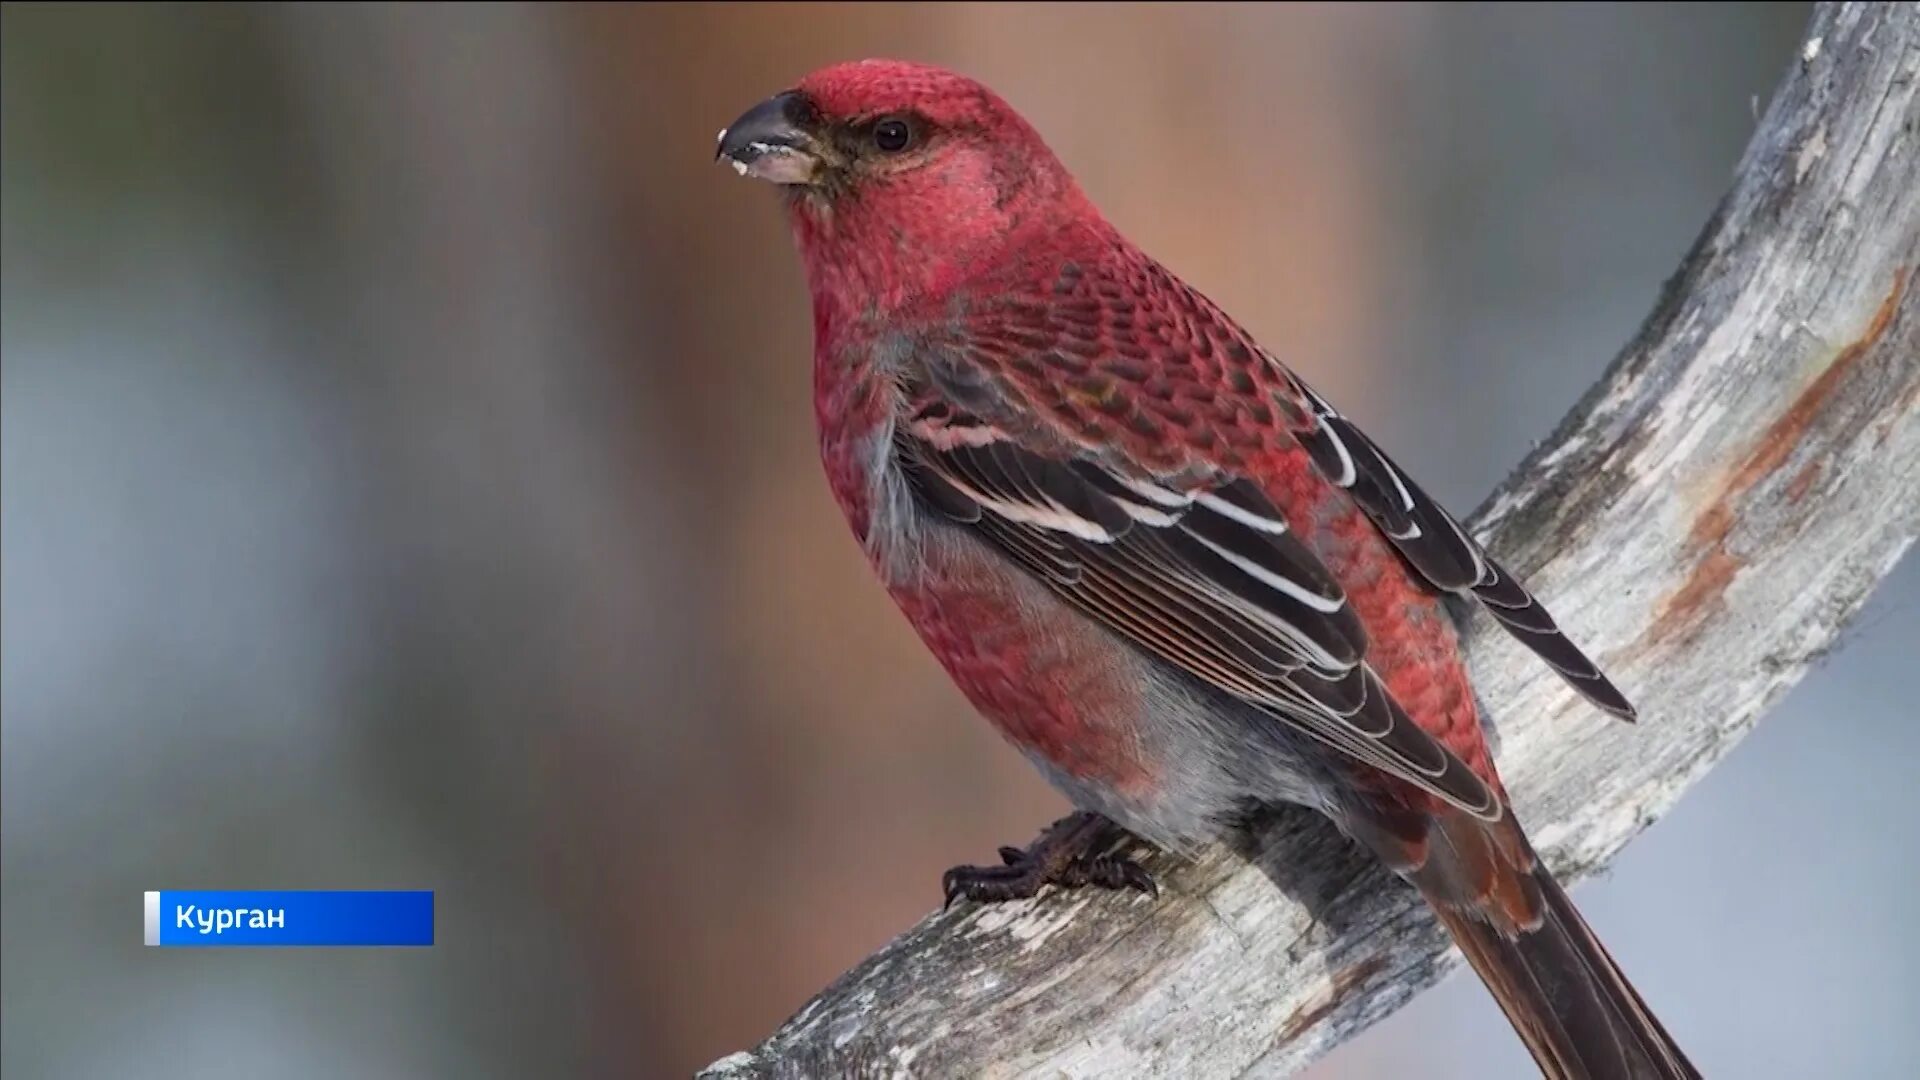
<point x="892" y="135"/>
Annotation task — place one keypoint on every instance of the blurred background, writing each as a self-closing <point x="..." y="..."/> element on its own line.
<point x="409" y="482"/>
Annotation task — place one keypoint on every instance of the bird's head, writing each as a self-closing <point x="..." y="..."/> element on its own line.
<point x="899" y="177"/>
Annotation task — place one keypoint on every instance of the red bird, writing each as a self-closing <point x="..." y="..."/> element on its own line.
<point x="1163" y="566"/>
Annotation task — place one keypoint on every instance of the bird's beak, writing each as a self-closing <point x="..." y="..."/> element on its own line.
<point x="772" y="141"/>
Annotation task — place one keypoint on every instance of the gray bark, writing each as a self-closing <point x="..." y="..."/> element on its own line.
<point x="1706" y="521"/>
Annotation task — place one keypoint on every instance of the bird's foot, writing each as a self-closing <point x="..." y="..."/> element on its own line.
<point x="1064" y="855"/>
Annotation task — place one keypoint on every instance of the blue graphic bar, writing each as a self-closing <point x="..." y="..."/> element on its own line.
<point x="264" y="919"/>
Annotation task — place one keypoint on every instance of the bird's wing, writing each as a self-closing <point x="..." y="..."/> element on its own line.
<point x="1199" y="570"/>
<point x="1435" y="545"/>
<point x="1119" y="352"/>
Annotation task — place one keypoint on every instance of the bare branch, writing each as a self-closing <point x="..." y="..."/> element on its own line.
<point x="1709" y="517"/>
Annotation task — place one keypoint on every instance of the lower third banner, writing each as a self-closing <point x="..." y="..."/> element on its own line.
<point x="268" y="919"/>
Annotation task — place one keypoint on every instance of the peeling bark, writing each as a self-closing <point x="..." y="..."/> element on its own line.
<point x="1707" y="519"/>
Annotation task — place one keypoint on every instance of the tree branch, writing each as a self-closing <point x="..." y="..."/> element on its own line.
<point x="1707" y="520"/>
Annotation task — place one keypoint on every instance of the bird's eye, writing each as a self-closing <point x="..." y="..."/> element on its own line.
<point x="892" y="135"/>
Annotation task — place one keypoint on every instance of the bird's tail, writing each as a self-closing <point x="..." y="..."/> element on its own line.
<point x="1566" y="997"/>
<point x="1560" y="989"/>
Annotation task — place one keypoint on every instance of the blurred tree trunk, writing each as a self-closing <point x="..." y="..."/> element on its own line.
<point x="517" y="499"/>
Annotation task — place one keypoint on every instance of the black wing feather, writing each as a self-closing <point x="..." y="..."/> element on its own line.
<point x="1435" y="545"/>
<point x="1207" y="578"/>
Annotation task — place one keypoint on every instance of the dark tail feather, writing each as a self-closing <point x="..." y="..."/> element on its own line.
<point x="1566" y="997"/>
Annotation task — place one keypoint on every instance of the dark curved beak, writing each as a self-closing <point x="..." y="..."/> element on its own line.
<point x="773" y="141"/>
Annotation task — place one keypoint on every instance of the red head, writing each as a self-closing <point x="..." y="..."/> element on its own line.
<point x="901" y="179"/>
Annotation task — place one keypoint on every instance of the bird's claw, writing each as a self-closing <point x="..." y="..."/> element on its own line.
<point x="1118" y="873"/>
<point x="1062" y="857"/>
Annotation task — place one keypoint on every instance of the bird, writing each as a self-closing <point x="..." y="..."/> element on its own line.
<point x="1168" y="570"/>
